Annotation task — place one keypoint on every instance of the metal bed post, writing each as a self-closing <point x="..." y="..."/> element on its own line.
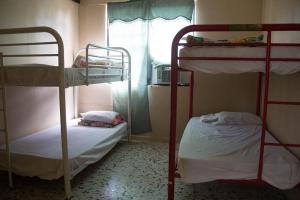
<point x="87" y="63"/>
<point x="191" y="100"/>
<point x="62" y="106"/>
<point x="173" y="116"/>
<point x="129" y="90"/>
<point x="3" y="95"/>
<point x="265" y="108"/>
<point x="258" y="93"/>
<point x="64" y="138"/>
<point x="172" y="140"/>
<point x="129" y="95"/>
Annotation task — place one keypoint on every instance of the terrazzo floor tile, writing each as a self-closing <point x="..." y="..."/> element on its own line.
<point x="136" y="171"/>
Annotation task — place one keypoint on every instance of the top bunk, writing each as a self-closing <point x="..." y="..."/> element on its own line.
<point x="28" y="61"/>
<point x="249" y="54"/>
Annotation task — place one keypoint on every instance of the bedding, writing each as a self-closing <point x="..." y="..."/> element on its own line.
<point x="45" y="75"/>
<point x="40" y="154"/>
<point x="221" y="66"/>
<point x="194" y="40"/>
<point x="80" y="62"/>
<point x="209" y="151"/>
<point x="231" y="118"/>
<point x="106" y="119"/>
<point x="103" y="116"/>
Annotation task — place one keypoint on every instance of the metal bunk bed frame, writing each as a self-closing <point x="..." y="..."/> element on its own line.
<point x="62" y="99"/>
<point x="269" y="28"/>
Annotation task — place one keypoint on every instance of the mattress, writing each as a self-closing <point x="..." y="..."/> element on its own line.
<point x="40" y="154"/>
<point x="210" y="152"/>
<point x="221" y="66"/>
<point x="46" y="75"/>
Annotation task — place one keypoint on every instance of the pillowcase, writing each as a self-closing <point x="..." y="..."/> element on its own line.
<point x="237" y="118"/>
<point x="109" y="117"/>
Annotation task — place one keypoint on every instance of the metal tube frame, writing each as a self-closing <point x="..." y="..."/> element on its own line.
<point x="115" y="49"/>
<point x="124" y="53"/>
<point x="175" y="68"/>
<point x="258" y="93"/>
<point x="62" y="98"/>
<point x="7" y="141"/>
<point x="191" y="94"/>
<point x="59" y="41"/>
<point x="129" y="104"/>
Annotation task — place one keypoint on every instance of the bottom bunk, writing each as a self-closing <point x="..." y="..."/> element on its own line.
<point x="40" y="154"/>
<point x="226" y="146"/>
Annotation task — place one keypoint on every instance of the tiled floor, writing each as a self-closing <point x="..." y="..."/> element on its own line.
<point x="136" y="171"/>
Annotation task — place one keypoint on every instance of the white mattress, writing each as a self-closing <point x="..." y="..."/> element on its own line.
<point x="210" y="152"/>
<point x="46" y="75"/>
<point x="40" y="154"/>
<point x="214" y="67"/>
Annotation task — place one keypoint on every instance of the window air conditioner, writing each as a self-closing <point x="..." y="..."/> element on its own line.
<point x="161" y="75"/>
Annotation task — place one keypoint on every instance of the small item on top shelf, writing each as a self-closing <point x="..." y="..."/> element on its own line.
<point x="254" y="39"/>
<point x="105" y="119"/>
<point x="80" y="62"/>
<point x="192" y="40"/>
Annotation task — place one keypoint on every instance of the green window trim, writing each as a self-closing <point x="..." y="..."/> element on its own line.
<point x="150" y="9"/>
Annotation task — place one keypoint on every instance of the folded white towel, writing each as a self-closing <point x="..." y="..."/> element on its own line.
<point x="210" y="118"/>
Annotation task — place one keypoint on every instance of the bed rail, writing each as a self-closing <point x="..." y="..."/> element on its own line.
<point x="42" y="29"/>
<point x="4" y="129"/>
<point x="268" y="28"/>
<point x="115" y="58"/>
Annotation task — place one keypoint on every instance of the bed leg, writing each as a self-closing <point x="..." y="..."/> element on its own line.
<point x="64" y="142"/>
<point x="3" y="97"/>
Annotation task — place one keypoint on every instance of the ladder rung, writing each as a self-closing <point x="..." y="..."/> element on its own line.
<point x="284" y="102"/>
<point x="281" y="145"/>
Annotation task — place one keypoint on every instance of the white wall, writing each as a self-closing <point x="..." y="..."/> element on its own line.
<point x="228" y="12"/>
<point x="31" y="108"/>
<point x="283" y="121"/>
<point x="93" y="23"/>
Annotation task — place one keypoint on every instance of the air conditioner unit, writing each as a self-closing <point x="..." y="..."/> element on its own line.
<point x="161" y="75"/>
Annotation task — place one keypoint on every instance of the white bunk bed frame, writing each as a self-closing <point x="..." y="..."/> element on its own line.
<point x="59" y="82"/>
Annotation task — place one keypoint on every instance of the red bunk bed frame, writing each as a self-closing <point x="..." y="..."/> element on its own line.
<point x="268" y="28"/>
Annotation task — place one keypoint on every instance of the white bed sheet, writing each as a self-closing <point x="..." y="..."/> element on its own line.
<point x="215" y="67"/>
<point x="210" y="152"/>
<point x="40" y="154"/>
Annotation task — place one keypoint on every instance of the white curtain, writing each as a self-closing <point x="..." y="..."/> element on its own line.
<point x="149" y="42"/>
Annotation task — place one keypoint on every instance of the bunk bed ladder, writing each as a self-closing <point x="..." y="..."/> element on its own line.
<point x="267" y="102"/>
<point x="4" y="130"/>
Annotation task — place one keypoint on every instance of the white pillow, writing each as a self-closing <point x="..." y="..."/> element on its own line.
<point x="102" y="116"/>
<point x="238" y="118"/>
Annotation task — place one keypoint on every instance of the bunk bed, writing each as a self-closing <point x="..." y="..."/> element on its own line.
<point x="68" y="148"/>
<point x="212" y="146"/>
